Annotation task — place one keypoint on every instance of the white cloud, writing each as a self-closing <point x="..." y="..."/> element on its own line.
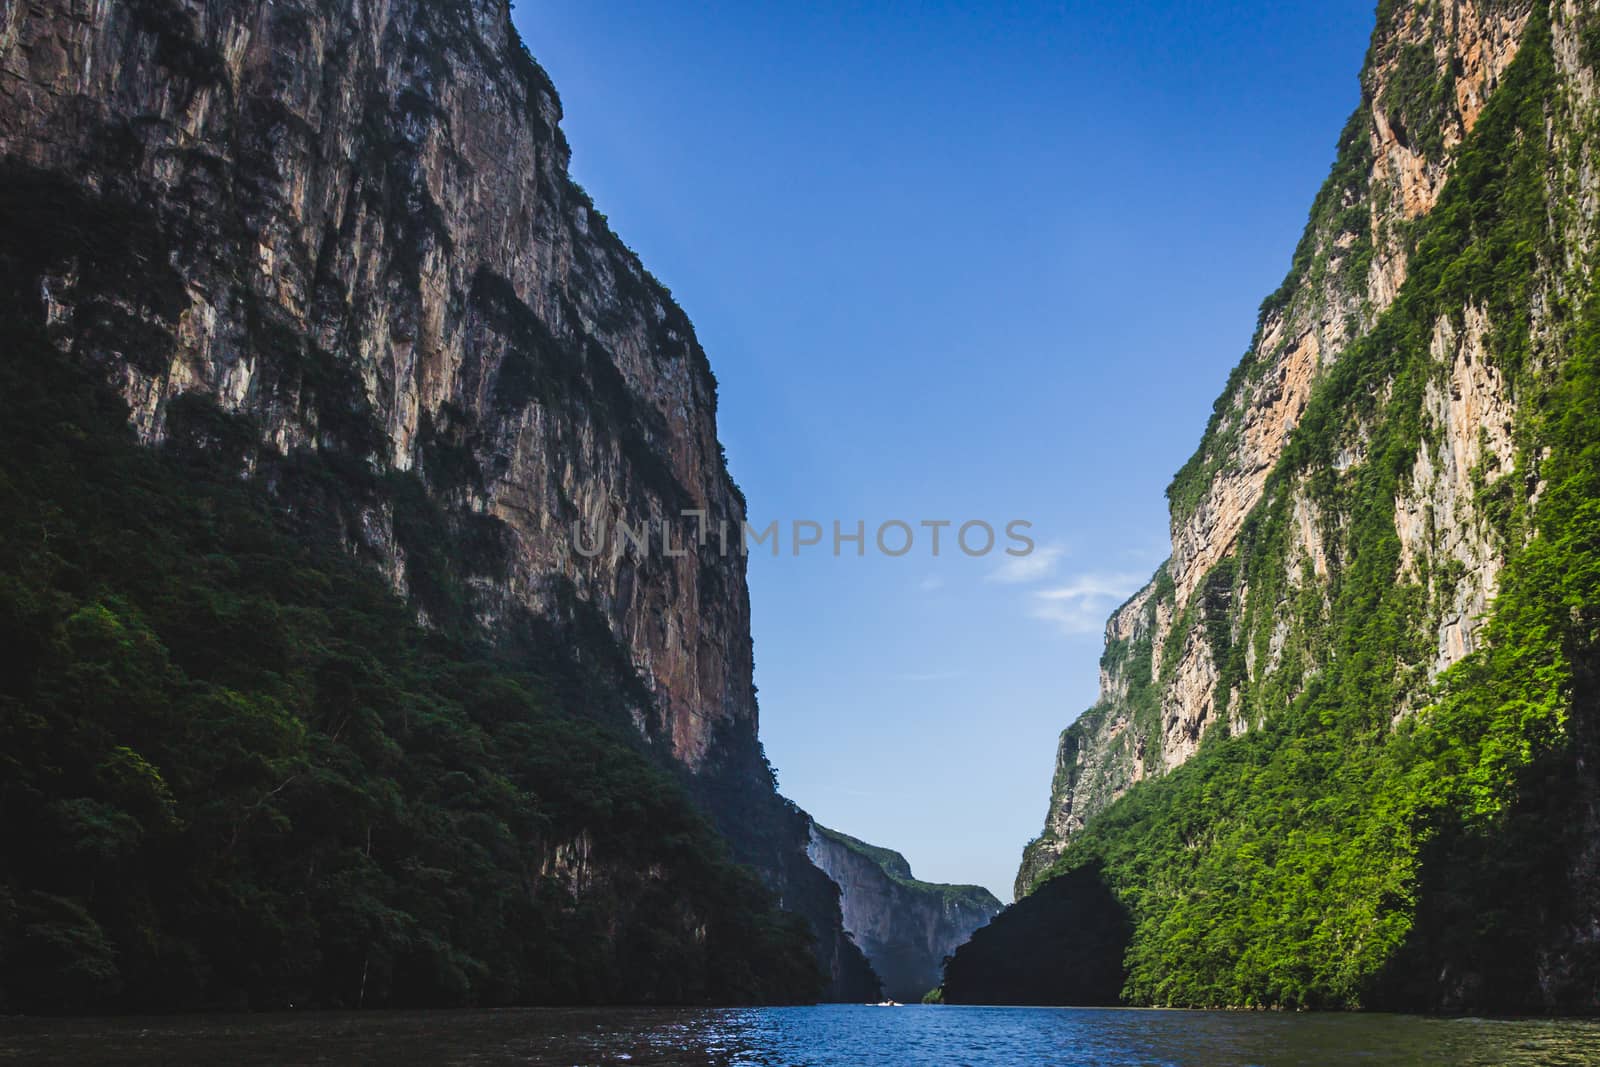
<point x="931" y="583"/>
<point x="1093" y="585"/>
<point x="1081" y="605"/>
<point x="1035" y="566"/>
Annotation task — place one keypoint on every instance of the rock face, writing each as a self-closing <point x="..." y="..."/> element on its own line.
<point x="905" y="927"/>
<point x="368" y="243"/>
<point x="1345" y="749"/>
<point x="384" y="187"/>
<point x="1179" y="659"/>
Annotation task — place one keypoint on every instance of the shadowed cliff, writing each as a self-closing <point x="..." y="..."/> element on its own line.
<point x="333" y="250"/>
<point x="1061" y="945"/>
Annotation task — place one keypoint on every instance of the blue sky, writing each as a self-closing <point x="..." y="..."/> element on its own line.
<point x="953" y="262"/>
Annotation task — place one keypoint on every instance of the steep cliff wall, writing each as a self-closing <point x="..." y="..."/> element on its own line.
<point x="373" y="245"/>
<point x="905" y="926"/>
<point x="1171" y="669"/>
<point x="1344" y="751"/>
<point x="238" y="773"/>
<point x="362" y="237"/>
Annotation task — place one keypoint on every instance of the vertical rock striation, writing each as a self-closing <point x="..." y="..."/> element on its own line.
<point x="1344" y="751"/>
<point x="906" y="927"/>
<point x="1177" y="661"/>
<point x="369" y="220"/>
<point x="363" y="237"/>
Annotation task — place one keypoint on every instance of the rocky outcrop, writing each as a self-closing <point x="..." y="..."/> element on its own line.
<point x="363" y="239"/>
<point x="1179" y="661"/>
<point x="1344" y="752"/>
<point x="383" y="188"/>
<point x="906" y="927"/>
<point x="1470" y="409"/>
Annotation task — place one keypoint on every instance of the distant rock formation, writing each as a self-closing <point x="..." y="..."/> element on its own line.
<point x="905" y="926"/>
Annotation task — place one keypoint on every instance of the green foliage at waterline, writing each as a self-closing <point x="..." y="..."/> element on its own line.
<point x="235" y="772"/>
<point x="1341" y="852"/>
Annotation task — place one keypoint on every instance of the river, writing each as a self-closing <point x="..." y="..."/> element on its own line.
<point x="825" y="1036"/>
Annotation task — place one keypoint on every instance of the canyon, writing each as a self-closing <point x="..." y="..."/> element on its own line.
<point x="1355" y="708"/>
<point x="905" y="926"/>
<point x="351" y="229"/>
<point x="1394" y="158"/>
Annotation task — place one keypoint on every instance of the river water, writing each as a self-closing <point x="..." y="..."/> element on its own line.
<point x="843" y="1035"/>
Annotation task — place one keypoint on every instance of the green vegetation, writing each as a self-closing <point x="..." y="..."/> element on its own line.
<point x="898" y="871"/>
<point x="1339" y="854"/>
<point x="236" y="769"/>
<point x="1419" y="100"/>
<point x="1339" y="210"/>
<point x="1062" y="944"/>
<point x="235" y="772"/>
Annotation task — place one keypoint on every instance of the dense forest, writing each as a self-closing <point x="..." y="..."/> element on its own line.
<point x="312" y="352"/>
<point x="235" y="772"/>
<point x="1343" y="853"/>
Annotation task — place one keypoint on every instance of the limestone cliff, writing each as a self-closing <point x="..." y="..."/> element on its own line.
<point x="1200" y="647"/>
<point x="1345" y="752"/>
<point x="364" y="237"/>
<point x="368" y="214"/>
<point x="905" y="926"/>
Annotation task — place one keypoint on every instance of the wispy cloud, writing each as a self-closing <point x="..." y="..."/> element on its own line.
<point x="1093" y="585"/>
<point x="1034" y="567"/>
<point x="931" y="583"/>
<point x="1081" y="604"/>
